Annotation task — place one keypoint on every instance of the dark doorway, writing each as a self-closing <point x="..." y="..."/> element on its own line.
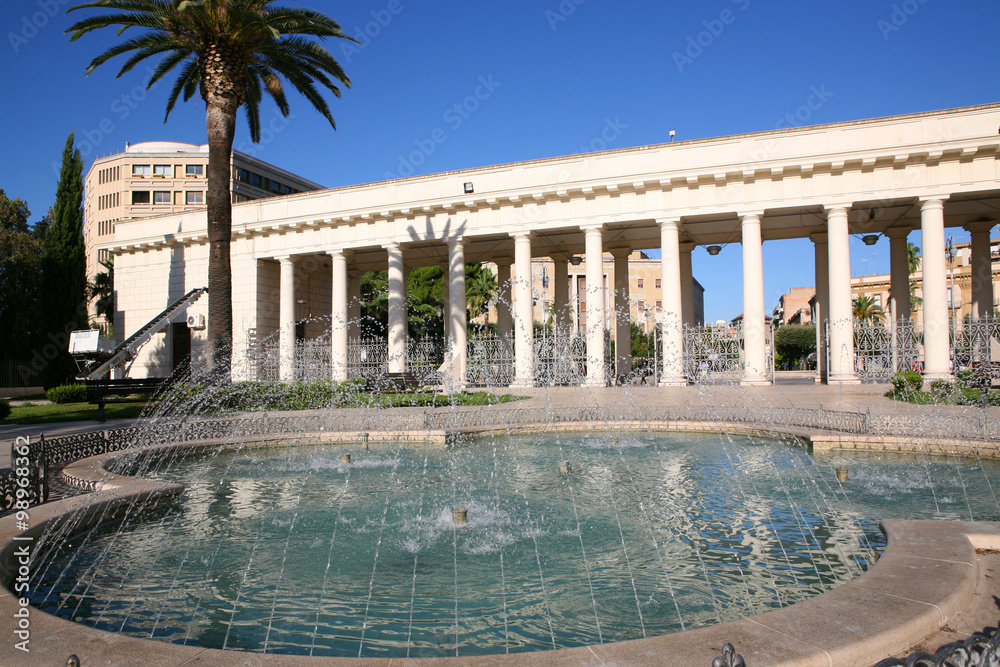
<point x="182" y="345"/>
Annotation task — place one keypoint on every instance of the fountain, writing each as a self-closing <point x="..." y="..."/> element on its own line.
<point x="412" y="533"/>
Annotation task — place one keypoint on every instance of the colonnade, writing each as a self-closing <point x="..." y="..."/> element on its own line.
<point x="833" y="299"/>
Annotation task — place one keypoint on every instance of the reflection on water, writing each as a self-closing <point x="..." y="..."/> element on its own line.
<point x="289" y="550"/>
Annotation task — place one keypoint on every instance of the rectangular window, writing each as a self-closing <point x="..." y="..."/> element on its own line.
<point x="639" y="283"/>
<point x="140" y="197"/>
<point x="194" y="170"/>
<point x="194" y="198"/>
<point x="161" y="170"/>
<point x="255" y="180"/>
<point x="285" y="190"/>
<point x="657" y="283"/>
<point x="243" y="175"/>
<point x="641" y="305"/>
<point x="140" y="170"/>
<point x="659" y="304"/>
<point x="275" y="186"/>
<point x="161" y="197"/>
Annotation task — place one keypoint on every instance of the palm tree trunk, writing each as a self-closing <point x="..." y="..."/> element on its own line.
<point x="220" y="116"/>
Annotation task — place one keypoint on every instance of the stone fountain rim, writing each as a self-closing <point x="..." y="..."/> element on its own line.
<point x="925" y="577"/>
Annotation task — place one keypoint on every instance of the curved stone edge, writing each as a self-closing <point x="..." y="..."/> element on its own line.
<point x="926" y="576"/>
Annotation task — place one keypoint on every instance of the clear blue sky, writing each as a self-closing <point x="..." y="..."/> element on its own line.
<point x="562" y="71"/>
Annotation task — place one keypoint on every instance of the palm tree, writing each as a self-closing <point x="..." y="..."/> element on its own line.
<point x="912" y="257"/>
<point x="480" y="290"/>
<point x="102" y="291"/>
<point x="866" y="310"/>
<point x="230" y="52"/>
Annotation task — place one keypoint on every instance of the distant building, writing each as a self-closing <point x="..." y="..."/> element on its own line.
<point x="793" y="307"/>
<point x="159" y="177"/>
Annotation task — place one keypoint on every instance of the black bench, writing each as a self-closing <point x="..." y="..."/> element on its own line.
<point x="393" y="382"/>
<point x="99" y="390"/>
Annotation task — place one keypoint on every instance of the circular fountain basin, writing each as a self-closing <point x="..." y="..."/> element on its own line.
<point x="293" y="550"/>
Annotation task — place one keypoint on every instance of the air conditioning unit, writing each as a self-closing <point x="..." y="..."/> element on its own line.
<point x="196" y="321"/>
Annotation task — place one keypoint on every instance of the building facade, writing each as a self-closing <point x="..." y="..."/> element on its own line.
<point x="155" y="178"/>
<point x="304" y="253"/>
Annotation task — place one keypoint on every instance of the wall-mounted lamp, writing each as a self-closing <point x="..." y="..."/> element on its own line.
<point x="575" y="261"/>
<point x="467" y="186"/>
<point x="300" y="301"/>
<point x="714" y="250"/>
<point x="870" y="239"/>
<point x="673" y="133"/>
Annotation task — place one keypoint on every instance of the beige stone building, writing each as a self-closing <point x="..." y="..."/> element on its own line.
<point x="160" y="177"/>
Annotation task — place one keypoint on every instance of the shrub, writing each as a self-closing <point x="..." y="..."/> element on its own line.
<point x="4" y="409"/>
<point x="907" y="382"/>
<point x="67" y="393"/>
<point x="943" y="390"/>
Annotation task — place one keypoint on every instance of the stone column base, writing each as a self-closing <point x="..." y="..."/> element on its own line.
<point x="678" y="381"/>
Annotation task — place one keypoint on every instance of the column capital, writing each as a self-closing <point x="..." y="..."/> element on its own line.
<point x="590" y="228"/>
<point x="620" y="252"/>
<point x="391" y="246"/>
<point x="830" y="209"/>
<point x="455" y="240"/>
<point x="980" y="226"/>
<point x="521" y="235"/>
<point x="744" y="215"/>
<point x="669" y="223"/>
<point x="897" y="232"/>
<point x="291" y="259"/>
<point x="339" y="252"/>
<point x="686" y="246"/>
<point x="819" y="238"/>
<point x="930" y="202"/>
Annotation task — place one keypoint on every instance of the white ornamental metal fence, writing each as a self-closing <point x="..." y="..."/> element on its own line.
<point x="714" y="354"/>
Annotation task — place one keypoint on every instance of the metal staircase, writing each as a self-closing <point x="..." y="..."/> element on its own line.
<point x="127" y="351"/>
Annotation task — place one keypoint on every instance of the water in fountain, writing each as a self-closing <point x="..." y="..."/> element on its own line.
<point x="288" y="548"/>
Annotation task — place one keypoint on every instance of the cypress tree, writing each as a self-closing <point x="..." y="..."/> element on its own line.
<point x="64" y="280"/>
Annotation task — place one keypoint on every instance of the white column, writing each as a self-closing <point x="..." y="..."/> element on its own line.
<point x="754" y="317"/>
<point x="456" y="310"/>
<point x="822" y="271"/>
<point x="841" y="319"/>
<point x="622" y="315"/>
<point x="397" y="309"/>
<point x="505" y="320"/>
<point x="937" y="344"/>
<point x="982" y="269"/>
<point x="560" y="296"/>
<point x="899" y="274"/>
<point x="596" y="300"/>
<point x="446" y="307"/>
<point x="338" y="316"/>
<point x="354" y="307"/>
<point x="286" y="321"/>
<point x="524" y="333"/>
<point x="672" y="311"/>
<point x="687" y="284"/>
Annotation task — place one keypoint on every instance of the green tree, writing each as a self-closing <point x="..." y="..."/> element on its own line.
<point x="912" y="257"/>
<point x="230" y="52"/>
<point x="20" y="280"/>
<point x="866" y="310"/>
<point x="480" y="289"/>
<point x="795" y="341"/>
<point x="64" y="275"/>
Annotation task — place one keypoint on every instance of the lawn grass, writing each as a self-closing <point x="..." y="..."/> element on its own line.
<point x="71" y="412"/>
